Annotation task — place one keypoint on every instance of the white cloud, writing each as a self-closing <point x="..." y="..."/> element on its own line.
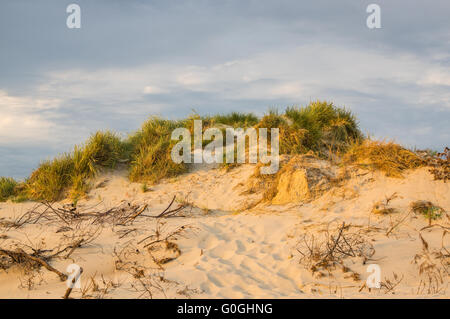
<point x="22" y="120"/>
<point x="348" y="76"/>
<point x="151" y="89"/>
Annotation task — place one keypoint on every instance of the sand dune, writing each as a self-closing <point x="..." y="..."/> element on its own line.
<point x="234" y="244"/>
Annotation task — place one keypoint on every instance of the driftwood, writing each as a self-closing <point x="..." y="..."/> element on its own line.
<point x="79" y="226"/>
<point x="20" y="256"/>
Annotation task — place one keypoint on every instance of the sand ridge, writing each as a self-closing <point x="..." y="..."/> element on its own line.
<point x="234" y="246"/>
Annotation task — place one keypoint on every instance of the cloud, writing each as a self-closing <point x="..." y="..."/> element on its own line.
<point x="167" y="58"/>
<point x="25" y="120"/>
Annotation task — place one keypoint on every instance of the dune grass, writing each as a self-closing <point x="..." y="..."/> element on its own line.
<point x="7" y="188"/>
<point x="68" y="174"/>
<point x="320" y="128"/>
<point x="325" y="125"/>
<point x="388" y="157"/>
<point x="235" y="119"/>
<point x="151" y="151"/>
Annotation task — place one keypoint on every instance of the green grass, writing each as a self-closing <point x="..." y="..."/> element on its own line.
<point x="7" y="188"/>
<point x="151" y="151"/>
<point x="319" y="127"/>
<point x="236" y="119"/>
<point x="51" y="178"/>
<point x="68" y="174"/>
<point x="428" y="210"/>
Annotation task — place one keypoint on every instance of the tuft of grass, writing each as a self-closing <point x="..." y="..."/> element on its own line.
<point x="151" y="156"/>
<point x="68" y="174"/>
<point x="325" y="125"/>
<point x="144" y="188"/>
<point x="51" y="178"/>
<point x="236" y="119"/>
<point x="318" y="127"/>
<point x="102" y="150"/>
<point x="388" y="157"/>
<point x="292" y="138"/>
<point x="7" y="188"/>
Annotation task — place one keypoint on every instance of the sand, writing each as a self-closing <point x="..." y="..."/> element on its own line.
<point x="235" y="246"/>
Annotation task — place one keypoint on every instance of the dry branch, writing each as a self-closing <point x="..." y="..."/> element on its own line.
<point x="20" y="256"/>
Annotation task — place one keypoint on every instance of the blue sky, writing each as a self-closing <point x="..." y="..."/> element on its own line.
<point x="132" y="59"/>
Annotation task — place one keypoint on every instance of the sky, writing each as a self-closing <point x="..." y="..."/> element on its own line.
<point x="133" y="59"/>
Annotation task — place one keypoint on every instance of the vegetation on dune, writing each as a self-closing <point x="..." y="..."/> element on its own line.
<point x="388" y="157"/>
<point x="325" y="124"/>
<point x="151" y="151"/>
<point x="320" y="128"/>
<point x="68" y="174"/>
<point x="236" y="119"/>
<point x="428" y="210"/>
<point x="7" y="188"/>
<point x="51" y="178"/>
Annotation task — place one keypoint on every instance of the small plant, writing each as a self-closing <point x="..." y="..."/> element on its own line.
<point x="144" y="188"/>
<point x="427" y="209"/>
<point x="433" y="268"/>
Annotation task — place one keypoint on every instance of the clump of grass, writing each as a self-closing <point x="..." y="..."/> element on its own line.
<point x="102" y="150"/>
<point x="152" y="146"/>
<point x="292" y="138"/>
<point x="318" y="127"/>
<point x="388" y="157"/>
<point x="144" y="188"/>
<point x="68" y="174"/>
<point x="7" y="188"/>
<point x="325" y="124"/>
<point x="236" y="119"/>
<point x="383" y="207"/>
<point x="51" y="178"/>
<point x="427" y="209"/>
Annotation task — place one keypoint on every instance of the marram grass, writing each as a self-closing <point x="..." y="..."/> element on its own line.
<point x="320" y="128"/>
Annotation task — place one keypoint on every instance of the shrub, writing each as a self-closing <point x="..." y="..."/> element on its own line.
<point x="388" y="157"/>
<point x="7" y="188"/>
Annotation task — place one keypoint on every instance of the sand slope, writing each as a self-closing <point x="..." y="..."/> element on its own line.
<point x="233" y="247"/>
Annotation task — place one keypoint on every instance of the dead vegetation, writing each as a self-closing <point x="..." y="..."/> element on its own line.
<point x="389" y="285"/>
<point x="439" y="163"/>
<point x="433" y="266"/>
<point x="323" y="256"/>
<point x="388" y="157"/>
<point x="77" y="227"/>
